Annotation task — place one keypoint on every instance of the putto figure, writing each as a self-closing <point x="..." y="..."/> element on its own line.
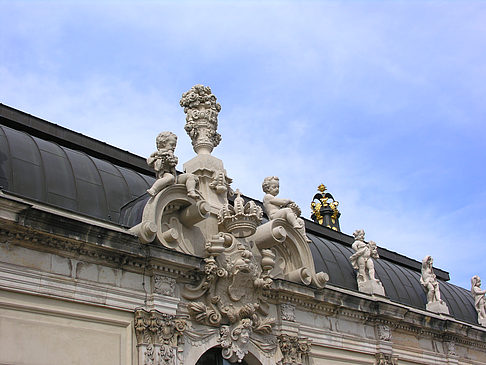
<point x="429" y="280"/>
<point x="431" y="285"/>
<point x="281" y="208"/>
<point x="479" y="299"/>
<point x="362" y="260"/>
<point x="164" y="162"/>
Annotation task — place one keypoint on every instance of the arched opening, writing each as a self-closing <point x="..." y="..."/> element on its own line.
<point x="214" y="357"/>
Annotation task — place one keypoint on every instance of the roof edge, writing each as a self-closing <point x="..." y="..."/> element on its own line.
<point x="44" y="129"/>
<point x="391" y="256"/>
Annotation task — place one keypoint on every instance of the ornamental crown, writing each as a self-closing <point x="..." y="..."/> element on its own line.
<point x="240" y="219"/>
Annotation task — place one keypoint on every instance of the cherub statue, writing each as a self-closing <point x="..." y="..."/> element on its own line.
<point x="361" y="259"/>
<point x="164" y="162"/>
<point x="479" y="299"/>
<point x="429" y="280"/>
<point x="281" y="208"/>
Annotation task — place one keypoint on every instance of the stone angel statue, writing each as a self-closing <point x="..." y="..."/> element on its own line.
<point x="479" y="299"/>
<point x="362" y="260"/>
<point x="164" y="162"/>
<point x="431" y="285"/>
<point x="279" y="207"/>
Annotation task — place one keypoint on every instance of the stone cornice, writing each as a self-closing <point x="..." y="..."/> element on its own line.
<point x="60" y="233"/>
<point x="66" y="235"/>
<point x="375" y="311"/>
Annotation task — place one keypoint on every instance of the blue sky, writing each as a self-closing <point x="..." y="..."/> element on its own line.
<point x="381" y="101"/>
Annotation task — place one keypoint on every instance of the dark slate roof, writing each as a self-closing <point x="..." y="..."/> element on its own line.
<point x="400" y="277"/>
<point x="48" y="163"/>
<point x="68" y="177"/>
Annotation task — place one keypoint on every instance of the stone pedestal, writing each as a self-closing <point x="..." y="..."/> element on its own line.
<point x="210" y="172"/>
<point x="437" y="307"/>
<point x="371" y="287"/>
<point x="205" y="167"/>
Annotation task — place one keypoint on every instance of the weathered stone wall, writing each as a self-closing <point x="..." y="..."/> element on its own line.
<point x="81" y="291"/>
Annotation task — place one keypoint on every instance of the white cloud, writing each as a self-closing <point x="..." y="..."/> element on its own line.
<point x="376" y="101"/>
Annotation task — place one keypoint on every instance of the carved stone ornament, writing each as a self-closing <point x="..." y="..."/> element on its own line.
<point x="221" y="183"/>
<point x="288" y="312"/>
<point x="159" y="336"/>
<point x="294" y="349"/>
<point x="234" y="285"/>
<point x="234" y="340"/>
<point x="239" y="219"/>
<point x="164" y="285"/>
<point x="451" y="348"/>
<point x="431" y="285"/>
<point x="479" y="299"/>
<point x="362" y="261"/>
<point x="201" y="111"/>
<point x="285" y="234"/>
<point x="384" y="332"/>
<point x="175" y="204"/>
<point x="386" y="359"/>
<point x="187" y="211"/>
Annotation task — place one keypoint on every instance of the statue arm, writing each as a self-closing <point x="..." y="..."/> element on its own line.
<point x="278" y="201"/>
<point x="359" y="252"/>
<point x="478" y="291"/>
<point x="151" y="159"/>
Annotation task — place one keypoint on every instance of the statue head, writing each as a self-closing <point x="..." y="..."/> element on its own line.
<point x="270" y="185"/>
<point x="166" y="140"/>
<point x="242" y="332"/>
<point x="428" y="261"/>
<point x="359" y="234"/>
<point x="475" y="281"/>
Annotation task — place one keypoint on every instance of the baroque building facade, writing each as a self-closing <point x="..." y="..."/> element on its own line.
<point x="108" y="258"/>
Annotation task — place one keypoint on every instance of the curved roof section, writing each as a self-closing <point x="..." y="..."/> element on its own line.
<point x="50" y="173"/>
<point x="401" y="283"/>
<point x="95" y="179"/>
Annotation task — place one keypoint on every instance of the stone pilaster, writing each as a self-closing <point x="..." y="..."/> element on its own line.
<point x="294" y="349"/>
<point x="159" y="337"/>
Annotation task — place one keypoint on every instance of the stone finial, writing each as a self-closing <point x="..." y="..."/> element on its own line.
<point x="362" y="260"/>
<point x="479" y="299"/>
<point x="201" y="111"/>
<point x="431" y="285"/>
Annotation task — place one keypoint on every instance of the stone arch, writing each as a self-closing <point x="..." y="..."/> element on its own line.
<point x="253" y="357"/>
